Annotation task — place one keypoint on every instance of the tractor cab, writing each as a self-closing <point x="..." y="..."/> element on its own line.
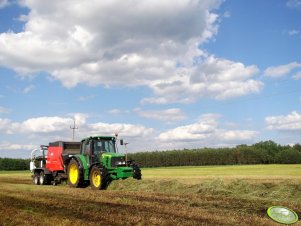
<point x="96" y="148"/>
<point x="97" y="145"/>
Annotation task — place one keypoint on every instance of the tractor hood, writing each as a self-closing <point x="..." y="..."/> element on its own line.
<point x="110" y="155"/>
<point x="113" y="160"/>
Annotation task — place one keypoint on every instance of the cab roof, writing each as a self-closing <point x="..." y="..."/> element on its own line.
<point x="99" y="138"/>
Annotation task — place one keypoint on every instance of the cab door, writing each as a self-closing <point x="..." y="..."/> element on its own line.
<point x="87" y="152"/>
<point x="96" y="147"/>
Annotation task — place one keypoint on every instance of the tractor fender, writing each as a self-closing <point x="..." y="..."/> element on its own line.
<point x="79" y="159"/>
<point x="95" y="164"/>
<point x="79" y="162"/>
<point x="67" y="161"/>
<point x="82" y="163"/>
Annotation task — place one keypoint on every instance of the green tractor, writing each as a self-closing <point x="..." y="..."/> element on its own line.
<point x="98" y="164"/>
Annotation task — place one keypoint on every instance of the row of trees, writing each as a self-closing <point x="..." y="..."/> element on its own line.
<point x="14" y="164"/>
<point x="267" y="152"/>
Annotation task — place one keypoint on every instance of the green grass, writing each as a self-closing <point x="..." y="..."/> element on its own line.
<point x="14" y="172"/>
<point x="225" y="171"/>
<point x="210" y="195"/>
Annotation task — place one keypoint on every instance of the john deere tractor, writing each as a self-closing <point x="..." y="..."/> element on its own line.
<point x="98" y="164"/>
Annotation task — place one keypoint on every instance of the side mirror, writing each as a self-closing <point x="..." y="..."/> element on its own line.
<point x="121" y="142"/>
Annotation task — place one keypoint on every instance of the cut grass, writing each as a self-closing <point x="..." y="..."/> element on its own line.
<point x="284" y="191"/>
<point x="216" y="196"/>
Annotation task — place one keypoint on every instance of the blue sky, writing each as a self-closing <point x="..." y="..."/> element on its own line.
<point x="197" y="74"/>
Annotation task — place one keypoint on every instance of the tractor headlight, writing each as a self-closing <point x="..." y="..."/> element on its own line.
<point x="120" y="163"/>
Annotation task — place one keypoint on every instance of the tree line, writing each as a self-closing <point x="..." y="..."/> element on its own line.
<point x="14" y="164"/>
<point x="266" y="152"/>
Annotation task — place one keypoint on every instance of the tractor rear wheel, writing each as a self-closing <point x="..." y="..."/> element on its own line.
<point x="75" y="176"/>
<point x="99" y="178"/>
<point x="36" y="179"/>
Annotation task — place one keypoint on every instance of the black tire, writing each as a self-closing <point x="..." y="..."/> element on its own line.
<point x="75" y="174"/>
<point x="48" y="179"/>
<point x="36" y="178"/>
<point x="136" y="172"/>
<point x="99" y="178"/>
<point x="106" y="179"/>
<point x="42" y="178"/>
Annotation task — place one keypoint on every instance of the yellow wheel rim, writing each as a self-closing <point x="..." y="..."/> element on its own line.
<point x="96" y="179"/>
<point x="73" y="173"/>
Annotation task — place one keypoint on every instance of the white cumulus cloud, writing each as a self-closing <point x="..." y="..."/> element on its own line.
<point x="281" y="70"/>
<point x="90" y="37"/>
<point x="41" y="125"/>
<point x="207" y="130"/>
<point x="4" y="124"/>
<point x="290" y="122"/>
<point x="10" y="146"/>
<point x="148" y="43"/>
<point x="42" y="130"/>
<point x="168" y="115"/>
<point x="123" y="130"/>
<point x="214" y="78"/>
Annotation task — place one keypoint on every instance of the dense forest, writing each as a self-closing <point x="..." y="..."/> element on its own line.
<point x="14" y="164"/>
<point x="267" y="152"/>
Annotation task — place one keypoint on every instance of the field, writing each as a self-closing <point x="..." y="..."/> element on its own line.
<point x="217" y="195"/>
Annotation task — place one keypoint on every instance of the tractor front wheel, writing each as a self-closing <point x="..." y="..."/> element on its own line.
<point x="75" y="177"/>
<point x="99" y="178"/>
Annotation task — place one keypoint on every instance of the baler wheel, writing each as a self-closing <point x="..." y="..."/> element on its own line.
<point x="42" y="178"/>
<point x="99" y="178"/>
<point x="75" y="176"/>
<point x="36" y="179"/>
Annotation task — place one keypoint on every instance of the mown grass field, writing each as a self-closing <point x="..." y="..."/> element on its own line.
<point x="217" y="195"/>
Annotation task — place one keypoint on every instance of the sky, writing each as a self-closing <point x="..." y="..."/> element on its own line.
<point x="168" y="74"/>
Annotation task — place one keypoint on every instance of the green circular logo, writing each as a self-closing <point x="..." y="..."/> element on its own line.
<point x="282" y="215"/>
